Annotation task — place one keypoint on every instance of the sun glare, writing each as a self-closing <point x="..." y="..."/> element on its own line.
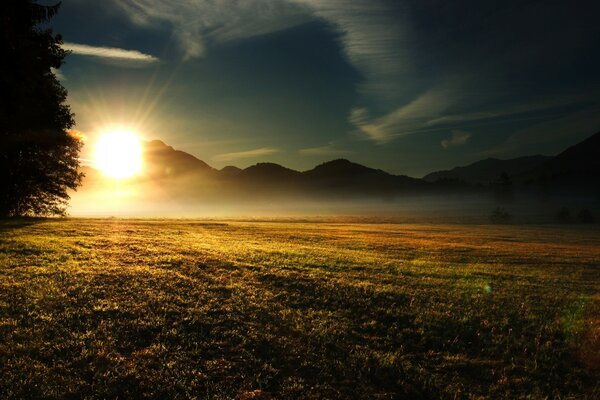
<point x="118" y="154"/>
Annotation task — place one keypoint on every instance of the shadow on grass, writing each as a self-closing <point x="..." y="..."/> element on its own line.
<point x="8" y="224"/>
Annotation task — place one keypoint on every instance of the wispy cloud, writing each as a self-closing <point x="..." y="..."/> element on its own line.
<point x="404" y="120"/>
<point x="110" y="53"/>
<point x="373" y="33"/>
<point x="457" y="118"/>
<point x="196" y="23"/>
<point x="436" y="109"/>
<point x="327" y="150"/>
<point x="549" y="136"/>
<point x="263" y="151"/>
<point x="458" y="138"/>
<point x="543" y="104"/>
<point x="375" y="39"/>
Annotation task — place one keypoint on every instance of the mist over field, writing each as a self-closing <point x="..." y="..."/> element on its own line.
<point x="432" y="208"/>
<point x="173" y="183"/>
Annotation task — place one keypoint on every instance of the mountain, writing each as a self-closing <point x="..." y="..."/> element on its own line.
<point x="264" y="181"/>
<point x="489" y="170"/>
<point x="265" y="172"/>
<point x="229" y="171"/>
<point x="586" y="151"/>
<point x="578" y="162"/>
<point x="162" y="160"/>
<point x="185" y="176"/>
<point x="340" y="168"/>
<point x="575" y="170"/>
<point x="343" y="177"/>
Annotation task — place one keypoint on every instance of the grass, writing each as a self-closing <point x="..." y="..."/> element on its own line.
<point x="258" y="310"/>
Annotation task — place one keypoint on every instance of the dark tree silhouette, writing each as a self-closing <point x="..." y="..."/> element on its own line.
<point x="38" y="152"/>
<point x="503" y="189"/>
<point x="500" y="216"/>
<point x="563" y="216"/>
<point x="585" y="216"/>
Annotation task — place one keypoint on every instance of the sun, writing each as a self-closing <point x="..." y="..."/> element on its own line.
<point x="118" y="154"/>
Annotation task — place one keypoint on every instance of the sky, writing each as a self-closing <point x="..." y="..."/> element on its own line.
<point x="407" y="86"/>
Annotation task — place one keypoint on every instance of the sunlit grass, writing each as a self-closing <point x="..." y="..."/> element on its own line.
<point x="165" y="309"/>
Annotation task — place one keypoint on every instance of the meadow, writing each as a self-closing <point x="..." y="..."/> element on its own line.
<point x="118" y="308"/>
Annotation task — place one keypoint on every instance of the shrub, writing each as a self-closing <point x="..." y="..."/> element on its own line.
<point x="500" y="216"/>
<point x="563" y="216"/>
<point x="585" y="216"/>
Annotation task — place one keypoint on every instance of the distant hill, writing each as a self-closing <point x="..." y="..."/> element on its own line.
<point x="162" y="160"/>
<point x="575" y="170"/>
<point x="229" y="171"/>
<point x="489" y="170"/>
<point x="580" y="162"/>
<point x="344" y="176"/>
<point x="341" y="168"/>
<point x="587" y="151"/>
<point x="265" y="172"/>
<point x="182" y="175"/>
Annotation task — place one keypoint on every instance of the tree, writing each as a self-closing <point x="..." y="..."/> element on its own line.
<point x="563" y="215"/>
<point x="585" y="216"/>
<point x="503" y="189"/>
<point x="500" y="216"/>
<point x="38" y="152"/>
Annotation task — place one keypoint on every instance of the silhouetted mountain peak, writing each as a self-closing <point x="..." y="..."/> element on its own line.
<point x="340" y="168"/>
<point x="267" y="170"/>
<point x="589" y="148"/>
<point x="165" y="160"/>
<point x="156" y="145"/>
<point x="231" y="170"/>
<point x="576" y="165"/>
<point x="573" y="169"/>
<point x="488" y="170"/>
<point x="338" y="161"/>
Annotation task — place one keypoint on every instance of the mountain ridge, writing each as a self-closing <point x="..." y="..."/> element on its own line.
<point x="488" y="170"/>
<point x="573" y="168"/>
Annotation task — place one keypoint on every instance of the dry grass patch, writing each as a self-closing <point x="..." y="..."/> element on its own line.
<point x="255" y="310"/>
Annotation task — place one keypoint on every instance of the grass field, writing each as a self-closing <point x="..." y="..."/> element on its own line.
<point x="257" y="310"/>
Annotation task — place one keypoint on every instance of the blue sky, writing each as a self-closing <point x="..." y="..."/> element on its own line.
<point x="405" y="86"/>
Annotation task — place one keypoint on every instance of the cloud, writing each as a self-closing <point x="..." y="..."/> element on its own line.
<point x="375" y="39"/>
<point x="458" y="138"/>
<point x="195" y="24"/>
<point x="546" y="103"/>
<point x="436" y="109"/>
<point x="114" y="53"/>
<point x="450" y="119"/>
<point x="326" y="150"/>
<point x="374" y="34"/>
<point x="424" y="67"/>
<point x="402" y="121"/>
<point x="448" y="82"/>
<point x="263" y="151"/>
<point x="549" y="136"/>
